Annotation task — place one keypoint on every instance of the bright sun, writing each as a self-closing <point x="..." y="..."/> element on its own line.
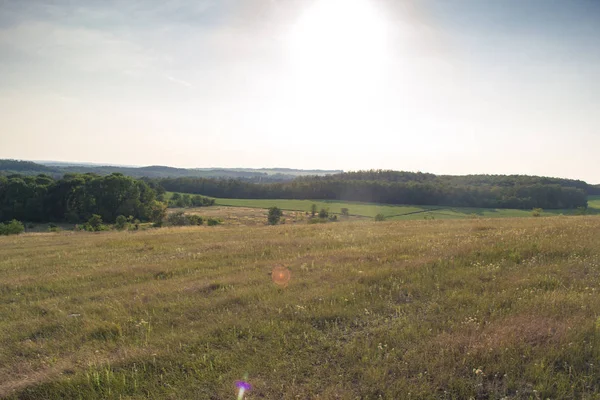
<point x="336" y="40"/>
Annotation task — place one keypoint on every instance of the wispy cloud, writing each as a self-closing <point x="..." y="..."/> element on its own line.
<point x="179" y="81"/>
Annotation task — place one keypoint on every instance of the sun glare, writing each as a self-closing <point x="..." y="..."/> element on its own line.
<point x="339" y="39"/>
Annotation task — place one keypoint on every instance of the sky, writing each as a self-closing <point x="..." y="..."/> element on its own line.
<point x="447" y="87"/>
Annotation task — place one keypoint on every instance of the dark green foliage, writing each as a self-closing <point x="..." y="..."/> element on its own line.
<point x="275" y="215"/>
<point x="75" y="198"/>
<point x="324" y="214"/>
<point x="391" y="187"/>
<point x="333" y="218"/>
<point x="121" y="223"/>
<point x="195" y="219"/>
<point x="213" y="222"/>
<point x="179" y="200"/>
<point x="179" y="218"/>
<point x="536" y="212"/>
<point x="13" y="227"/>
<point x="94" y="224"/>
<point x="345" y="212"/>
<point x="380" y="217"/>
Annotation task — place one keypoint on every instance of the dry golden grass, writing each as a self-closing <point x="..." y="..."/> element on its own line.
<point x="455" y="309"/>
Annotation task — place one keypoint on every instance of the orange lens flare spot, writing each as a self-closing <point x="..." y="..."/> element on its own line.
<point x="281" y="276"/>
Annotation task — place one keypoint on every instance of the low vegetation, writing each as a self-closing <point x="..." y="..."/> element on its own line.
<point x="13" y="227"/>
<point x="484" y="309"/>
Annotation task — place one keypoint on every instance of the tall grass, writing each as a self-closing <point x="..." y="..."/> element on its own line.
<point x="485" y="309"/>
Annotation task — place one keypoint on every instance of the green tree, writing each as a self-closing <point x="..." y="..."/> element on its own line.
<point x="121" y="223"/>
<point x="323" y="214"/>
<point x="313" y="210"/>
<point x="275" y="215"/>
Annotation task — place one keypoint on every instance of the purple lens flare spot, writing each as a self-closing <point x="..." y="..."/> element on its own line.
<point x="243" y="385"/>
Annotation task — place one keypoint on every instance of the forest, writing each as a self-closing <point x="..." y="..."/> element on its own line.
<point x="393" y="187"/>
<point x="75" y="198"/>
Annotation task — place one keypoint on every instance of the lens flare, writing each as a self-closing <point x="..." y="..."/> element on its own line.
<point x="281" y="276"/>
<point x="243" y="388"/>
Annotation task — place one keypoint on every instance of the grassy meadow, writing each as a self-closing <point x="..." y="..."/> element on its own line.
<point x="444" y="309"/>
<point x="400" y="212"/>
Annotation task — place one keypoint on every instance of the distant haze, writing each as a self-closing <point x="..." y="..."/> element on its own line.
<point x="448" y="87"/>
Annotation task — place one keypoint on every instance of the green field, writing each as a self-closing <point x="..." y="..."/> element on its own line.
<point x="455" y="309"/>
<point x="594" y="202"/>
<point x="396" y="212"/>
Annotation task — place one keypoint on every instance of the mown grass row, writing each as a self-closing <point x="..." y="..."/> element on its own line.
<point x="416" y="309"/>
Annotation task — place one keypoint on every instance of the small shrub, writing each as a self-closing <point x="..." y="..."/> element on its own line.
<point x="178" y="218"/>
<point x="94" y="224"/>
<point x="380" y="217"/>
<point x="13" y="227"/>
<point x="324" y="214"/>
<point x="274" y="215"/>
<point x="333" y="218"/>
<point x="536" y="212"/>
<point x="195" y="220"/>
<point x="345" y="212"/>
<point x="213" y="222"/>
<point x="53" y="228"/>
<point x="121" y="223"/>
<point x="317" y="221"/>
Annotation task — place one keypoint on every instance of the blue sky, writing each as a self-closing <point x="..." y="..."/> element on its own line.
<point x="453" y="87"/>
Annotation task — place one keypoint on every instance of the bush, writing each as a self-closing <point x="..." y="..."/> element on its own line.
<point x="53" y="228"/>
<point x="324" y="214"/>
<point x="177" y="219"/>
<point x="213" y="222"/>
<point x="380" y="217"/>
<point x="345" y="212"/>
<point x="94" y="224"/>
<point x="201" y="201"/>
<point x="536" y="212"/>
<point x="121" y="223"/>
<point x="275" y="215"/>
<point x="195" y="220"/>
<point x="13" y="227"/>
<point x="333" y="218"/>
<point x="317" y="221"/>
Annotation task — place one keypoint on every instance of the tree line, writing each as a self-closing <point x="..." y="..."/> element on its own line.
<point x="77" y="197"/>
<point x="423" y="190"/>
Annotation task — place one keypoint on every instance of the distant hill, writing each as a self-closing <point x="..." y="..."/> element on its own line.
<point x="58" y="169"/>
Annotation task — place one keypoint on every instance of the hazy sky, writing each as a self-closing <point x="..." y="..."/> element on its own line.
<point x="446" y="86"/>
